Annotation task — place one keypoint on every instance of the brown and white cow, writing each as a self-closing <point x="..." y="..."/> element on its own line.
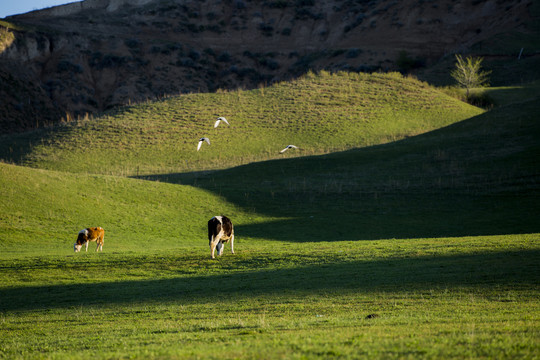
<point x="90" y="234"/>
<point x="220" y="231"/>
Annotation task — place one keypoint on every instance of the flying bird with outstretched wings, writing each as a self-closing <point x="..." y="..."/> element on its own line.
<point x="287" y="148"/>
<point x="201" y="140"/>
<point x="220" y="119"/>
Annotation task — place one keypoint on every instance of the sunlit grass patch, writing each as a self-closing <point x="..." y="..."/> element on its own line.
<point x="319" y="113"/>
<point x="464" y="297"/>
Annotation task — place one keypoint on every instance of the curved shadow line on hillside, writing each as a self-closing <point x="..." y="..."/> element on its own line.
<point x="514" y="269"/>
<point x="377" y="227"/>
<point x="383" y="198"/>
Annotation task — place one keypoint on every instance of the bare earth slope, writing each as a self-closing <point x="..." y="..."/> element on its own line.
<point x="97" y="54"/>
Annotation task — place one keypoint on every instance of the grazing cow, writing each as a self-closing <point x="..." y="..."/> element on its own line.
<point x="90" y="234"/>
<point x="220" y="231"/>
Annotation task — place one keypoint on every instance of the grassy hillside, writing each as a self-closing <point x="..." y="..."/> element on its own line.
<point x="476" y="177"/>
<point x="424" y="247"/>
<point x="319" y="113"/>
<point x="42" y="211"/>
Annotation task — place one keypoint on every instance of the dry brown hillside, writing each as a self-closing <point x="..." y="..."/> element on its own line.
<point x="97" y="54"/>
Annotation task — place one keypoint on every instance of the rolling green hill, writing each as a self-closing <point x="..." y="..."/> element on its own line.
<point x="319" y="113"/>
<point x="422" y="247"/>
<point x="474" y="177"/>
<point x="42" y="212"/>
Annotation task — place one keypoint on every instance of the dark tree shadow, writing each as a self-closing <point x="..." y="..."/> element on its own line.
<point x="483" y="270"/>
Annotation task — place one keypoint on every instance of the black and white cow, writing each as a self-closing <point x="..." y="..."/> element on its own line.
<point x="220" y="231"/>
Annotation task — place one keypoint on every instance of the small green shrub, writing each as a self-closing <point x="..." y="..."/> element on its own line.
<point x="468" y="73"/>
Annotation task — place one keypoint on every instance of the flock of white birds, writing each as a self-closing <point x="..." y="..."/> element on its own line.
<point x="216" y="124"/>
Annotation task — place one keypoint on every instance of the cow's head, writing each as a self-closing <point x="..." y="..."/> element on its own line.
<point x="77" y="247"/>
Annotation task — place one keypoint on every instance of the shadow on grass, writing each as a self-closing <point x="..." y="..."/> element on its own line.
<point x="476" y="177"/>
<point x="493" y="270"/>
<point x="308" y="216"/>
<point x="14" y="147"/>
<point x="404" y="216"/>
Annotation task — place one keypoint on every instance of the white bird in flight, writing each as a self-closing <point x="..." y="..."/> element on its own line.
<point x="287" y="148"/>
<point x="201" y="141"/>
<point x="219" y="119"/>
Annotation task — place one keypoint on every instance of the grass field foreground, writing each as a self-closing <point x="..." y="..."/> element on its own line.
<point x="431" y="298"/>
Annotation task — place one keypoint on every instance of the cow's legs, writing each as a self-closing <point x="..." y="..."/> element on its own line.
<point x="100" y="242"/>
<point x="88" y="242"/>
<point x="219" y="248"/>
<point x="213" y="243"/>
<point x="232" y="243"/>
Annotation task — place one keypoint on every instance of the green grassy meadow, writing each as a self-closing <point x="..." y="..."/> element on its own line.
<point x="405" y="226"/>
<point x="464" y="297"/>
<point x="319" y="113"/>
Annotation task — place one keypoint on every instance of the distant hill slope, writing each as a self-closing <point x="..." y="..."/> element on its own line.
<point x="318" y="113"/>
<point x="480" y="176"/>
<point x="95" y="55"/>
<point x="475" y="177"/>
